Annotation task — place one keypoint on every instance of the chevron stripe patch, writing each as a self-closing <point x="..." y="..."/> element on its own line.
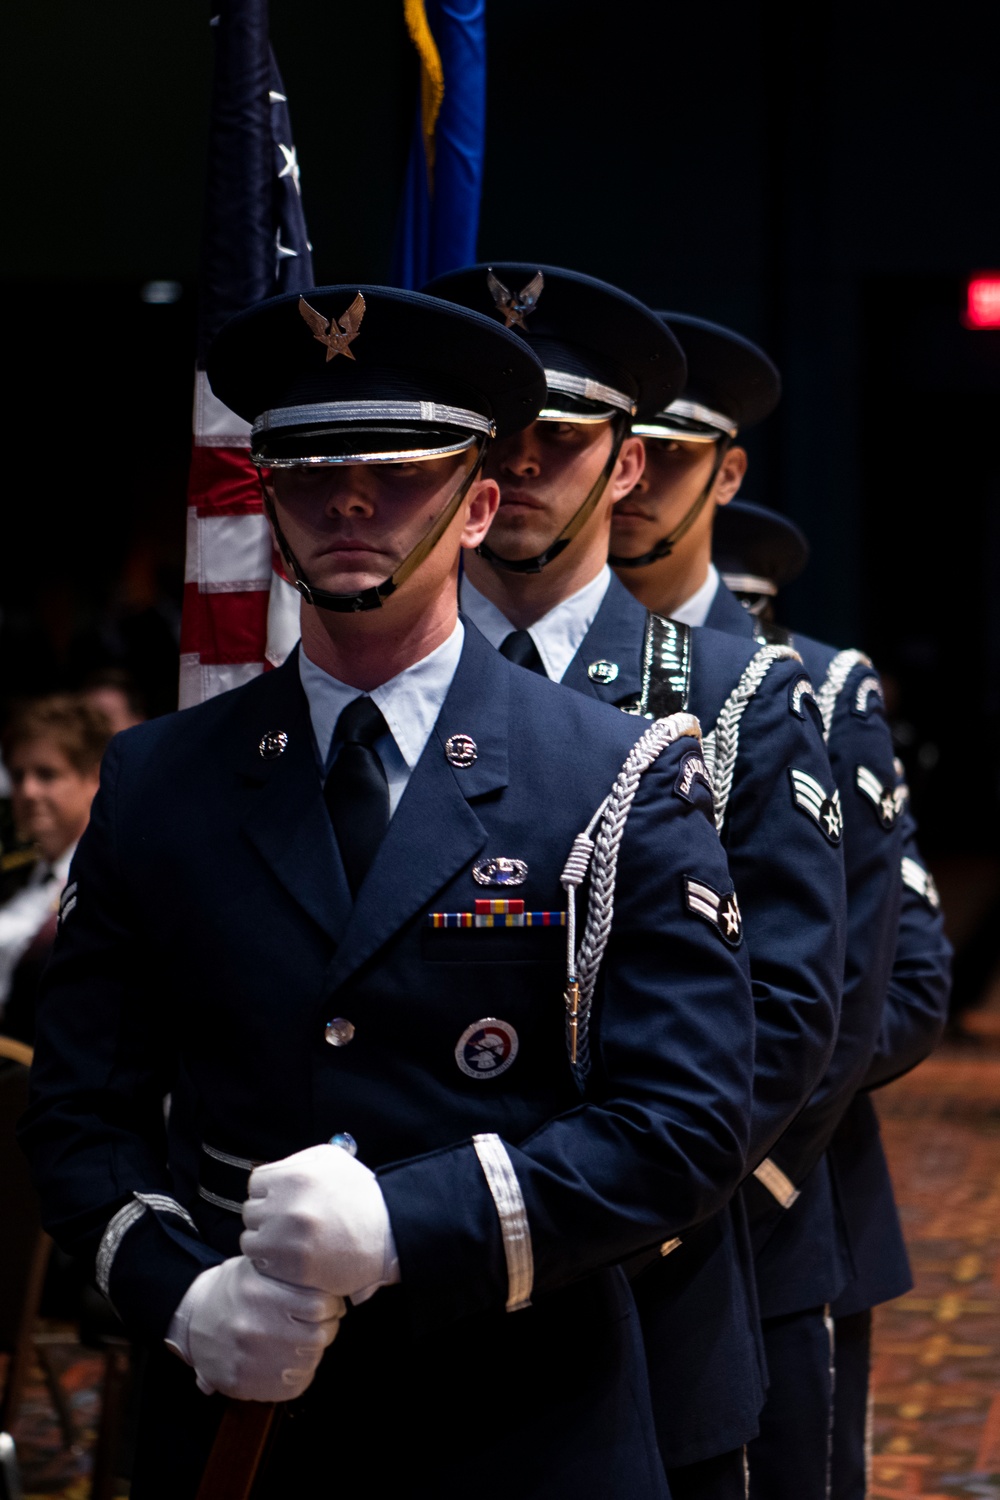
<point x="721" y="911"/>
<point x="824" y="809"/>
<point x="922" y="881"/>
<point x="884" y="801"/>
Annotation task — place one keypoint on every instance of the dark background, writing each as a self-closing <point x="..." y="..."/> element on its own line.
<point x="823" y="182"/>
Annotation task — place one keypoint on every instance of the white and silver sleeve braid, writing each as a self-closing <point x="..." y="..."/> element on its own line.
<point x="128" y="1215"/>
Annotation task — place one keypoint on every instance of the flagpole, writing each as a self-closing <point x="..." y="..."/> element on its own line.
<point x="239" y="1450"/>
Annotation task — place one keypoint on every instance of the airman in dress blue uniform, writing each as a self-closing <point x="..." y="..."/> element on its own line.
<point x="540" y="590"/>
<point x="757" y="553"/>
<point x="802" y="1250"/>
<point x="400" y="897"/>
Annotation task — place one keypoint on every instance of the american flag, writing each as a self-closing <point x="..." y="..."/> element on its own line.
<point x="240" y="613"/>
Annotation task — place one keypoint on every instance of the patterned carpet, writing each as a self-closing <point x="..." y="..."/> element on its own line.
<point x="937" y="1365"/>
<point x="937" y="1351"/>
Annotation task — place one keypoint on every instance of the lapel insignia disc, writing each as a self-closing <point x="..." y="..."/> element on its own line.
<point x="921" y="881"/>
<point x="886" y="803"/>
<point x="486" y="1048"/>
<point x="272" y="744"/>
<point x="812" y="799"/>
<point x="336" y="334"/>
<point x="460" y="750"/>
<point x="515" y="308"/>
<point x="602" y="671"/>
<point x="721" y="912"/>
<point x="500" y="871"/>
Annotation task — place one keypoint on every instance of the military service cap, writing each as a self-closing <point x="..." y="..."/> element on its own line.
<point x="731" y="384"/>
<point x="756" y="550"/>
<point x="353" y="374"/>
<point x="604" y="353"/>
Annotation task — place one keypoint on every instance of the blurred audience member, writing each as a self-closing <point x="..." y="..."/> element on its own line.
<point x="114" y="694"/>
<point x="52" y="749"/>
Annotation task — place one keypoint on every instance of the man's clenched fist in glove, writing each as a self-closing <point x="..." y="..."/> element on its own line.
<point x="318" y="1218"/>
<point x="251" y="1337"/>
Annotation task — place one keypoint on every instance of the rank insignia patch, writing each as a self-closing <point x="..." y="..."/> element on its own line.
<point x="921" y="881"/>
<point x="486" y="1048"/>
<point x="693" y="768"/>
<point x="67" y="901"/>
<point x="808" y="795"/>
<point x="722" y="912"/>
<point x="887" y="804"/>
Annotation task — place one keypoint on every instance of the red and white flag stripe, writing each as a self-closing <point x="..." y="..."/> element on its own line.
<point x="240" y="614"/>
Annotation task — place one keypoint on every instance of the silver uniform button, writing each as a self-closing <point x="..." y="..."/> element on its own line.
<point x="339" y="1031"/>
<point x="602" y="671"/>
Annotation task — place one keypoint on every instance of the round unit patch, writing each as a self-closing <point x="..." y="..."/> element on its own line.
<point x="486" y="1048"/>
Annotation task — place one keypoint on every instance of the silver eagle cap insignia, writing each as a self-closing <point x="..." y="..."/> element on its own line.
<point x="515" y="308"/>
<point x="336" y="334"/>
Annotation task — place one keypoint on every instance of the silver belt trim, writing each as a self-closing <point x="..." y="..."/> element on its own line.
<point x="506" y="1191"/>
<point x="428" y="412"/>
<point x="748" y="583"/>
<point x="778" y="1185"/>
<point x="590" y="390"/>
<point x="122" y="1222"/>
<point x="220" y="1202"/>
<point x="230" y="1161"/>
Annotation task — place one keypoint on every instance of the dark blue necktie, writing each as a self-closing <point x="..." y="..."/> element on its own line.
<point x="519" y="648"/>
<point x="356" y="790"/>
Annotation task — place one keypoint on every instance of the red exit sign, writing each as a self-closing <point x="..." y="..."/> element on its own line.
<point x="982" y="301"/>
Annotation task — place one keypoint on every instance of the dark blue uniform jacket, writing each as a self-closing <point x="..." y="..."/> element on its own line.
<point x="208" y="938"/>
<point x="916" y="1008"/>
<point x="805" y="1254"/>
<point x="698" y="1304"/>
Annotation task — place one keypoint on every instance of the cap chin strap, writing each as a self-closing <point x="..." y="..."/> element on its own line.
<point x="374" y="597"/>
<point x="620" y="427"/>
<point x="666" y="545"/>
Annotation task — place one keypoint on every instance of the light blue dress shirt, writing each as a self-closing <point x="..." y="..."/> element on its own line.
<point x="410" y="704"/>
<point x="557" y="635"/>
<point x="694" y="611"/>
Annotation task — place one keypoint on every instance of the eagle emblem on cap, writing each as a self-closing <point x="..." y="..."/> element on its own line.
<point x="338" y="334"/>
<point x="515" y="308"/>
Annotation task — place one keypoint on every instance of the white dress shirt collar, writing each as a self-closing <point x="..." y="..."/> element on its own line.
<point x="694" y="611"/>
<point x="557" y="635"/>
<point x="410" y="704"/>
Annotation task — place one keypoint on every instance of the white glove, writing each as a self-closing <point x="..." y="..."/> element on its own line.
<point x="251" y="1337"/>
<point x="318" y="1218"/>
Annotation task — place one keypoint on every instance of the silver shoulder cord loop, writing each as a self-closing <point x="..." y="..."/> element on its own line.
<point x="723" y="743"/>
<point x="599" y="855"/>
<point x="837" y="673"/>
